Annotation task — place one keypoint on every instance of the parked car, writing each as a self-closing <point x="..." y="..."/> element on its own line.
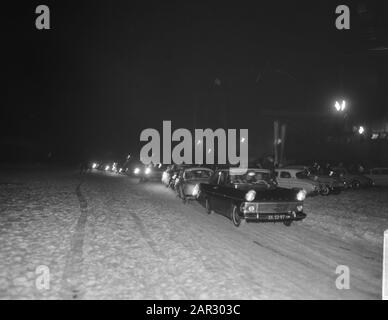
<point x="296" y="179"/>
<point x="251" y="195"/>
<point x="169" y="175"/>
<point x="352" y="180"/>
<point x="188" y="181"/>
<point x="379" y="176"/>
<point x="327" y="184"/>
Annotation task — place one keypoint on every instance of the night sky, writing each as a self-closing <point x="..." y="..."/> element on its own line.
<point x="108" y="69"/>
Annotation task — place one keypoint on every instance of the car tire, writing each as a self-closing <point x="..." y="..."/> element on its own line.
<point x="235" y="217"/>
<point x="325" y="191"/>
<point x="208" y="206"/>
<point x="336" y="191"/>
<point x="356" y="184"/>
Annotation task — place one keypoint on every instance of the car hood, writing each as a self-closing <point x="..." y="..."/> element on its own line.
<point x="267" y="194"/>
<point x="196" y="181"/>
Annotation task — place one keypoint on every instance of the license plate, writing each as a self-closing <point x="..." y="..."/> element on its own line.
<point x="275" y="216"/>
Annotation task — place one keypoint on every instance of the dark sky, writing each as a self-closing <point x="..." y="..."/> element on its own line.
<point x="109" y="69"/>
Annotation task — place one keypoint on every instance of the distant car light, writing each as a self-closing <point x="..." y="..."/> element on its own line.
<point x="107" y="168"/>
<point x="301" y="195"/>
<point x="147" y="171"/>
<point x="94" y="165"/>
<point x="121" y="170"/>
<point x="250" y="195"/>
<point x="136" y="171"/>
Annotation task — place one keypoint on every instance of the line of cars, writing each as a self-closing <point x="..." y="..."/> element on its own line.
<point x="254" y="194"/>
<point x="258" y="194"/>
<point x="241" y="195"/>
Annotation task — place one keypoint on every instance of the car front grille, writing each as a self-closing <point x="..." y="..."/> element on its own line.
<point x="276" y="207"/>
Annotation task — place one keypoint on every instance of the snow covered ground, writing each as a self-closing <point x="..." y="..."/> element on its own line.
<point x="107" y="237"/>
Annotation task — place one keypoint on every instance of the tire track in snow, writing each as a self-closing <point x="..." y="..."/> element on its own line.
<point x="151" y="243"/>
<point x="71" y="281"/>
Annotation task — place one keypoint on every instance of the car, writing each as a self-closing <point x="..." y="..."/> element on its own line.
<point x="188" y="181"/>
<point x="296" y="179"/>
<point x="149" y="172"/>
<point x="379" y="176"/>
<point x="169" y="175"/>
<point x="327" y="184"/>
<point x="251" y="195"/>
<point x="352" y="180"/>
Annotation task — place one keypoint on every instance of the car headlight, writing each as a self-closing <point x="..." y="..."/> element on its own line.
<point x="250" y="195"/>
<point x="147" y="171"/>
<point x="195" y="192"/>
<point x="136" y="171"/>
<point x="301" y="195"/>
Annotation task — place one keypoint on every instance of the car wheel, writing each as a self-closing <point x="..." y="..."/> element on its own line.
<point x="356" y="184"/>
<point x="208" y="207"/>
<point x="336" y="191"/>
<point x="182" y="195"/>
<point x="287" y="223"/>
<point x="236" y="218"/>
<point x="325" y="191"/>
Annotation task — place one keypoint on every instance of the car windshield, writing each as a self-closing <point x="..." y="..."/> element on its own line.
<point x="198" y="174"/>
<point x="250" y="176"/>
<point x="302" y="175"/>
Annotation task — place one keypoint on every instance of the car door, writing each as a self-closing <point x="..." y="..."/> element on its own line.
<point x="212" y="190"/>
<point x="284" y="179"/>
<point x="223" y="201"/>
<point x="380" y="176"/>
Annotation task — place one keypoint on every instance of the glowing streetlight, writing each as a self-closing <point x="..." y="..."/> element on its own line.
<point x="340" y="107"/>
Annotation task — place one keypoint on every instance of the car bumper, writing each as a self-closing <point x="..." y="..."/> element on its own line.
<point x="275" y="217"/>
<point x="272" y="212"/>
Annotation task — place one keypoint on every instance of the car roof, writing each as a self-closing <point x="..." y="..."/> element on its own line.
<point x="197" y="168"/>
<point x="290" y="169"/>
<point x="237" y="170"/>
<point x="296" y="167"/>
